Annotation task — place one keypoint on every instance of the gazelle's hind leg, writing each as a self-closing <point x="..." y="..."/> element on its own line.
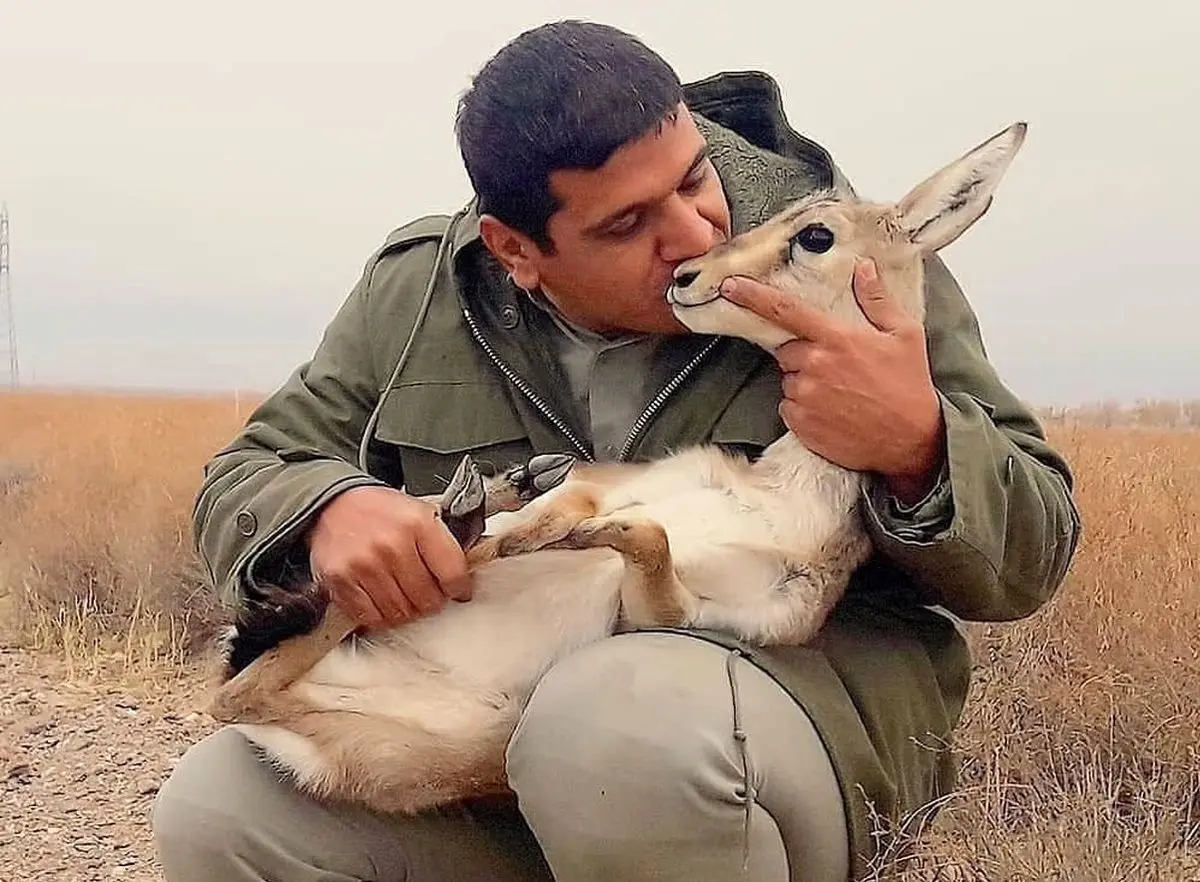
<point x="468" y="500"/>
<point x="393" y="764"/>
<point x="258" y="694"/>
<point x="651" y="593"/>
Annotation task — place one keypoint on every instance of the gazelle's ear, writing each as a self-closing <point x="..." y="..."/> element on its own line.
<point x="939" y="209"/>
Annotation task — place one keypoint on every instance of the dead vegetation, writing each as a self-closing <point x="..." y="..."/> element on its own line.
<point x="1079" y="754"/>
<point x="95" y="547"/>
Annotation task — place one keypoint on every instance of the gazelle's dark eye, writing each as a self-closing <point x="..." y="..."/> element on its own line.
<point x="816" y="238"/>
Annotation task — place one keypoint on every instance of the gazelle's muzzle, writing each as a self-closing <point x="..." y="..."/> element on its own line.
<point x="688" y="289"/>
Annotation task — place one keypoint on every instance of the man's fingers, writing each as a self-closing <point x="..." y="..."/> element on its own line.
<point x="389" y="599"/>
<point x="790" y="313"/>
<point x="416" y="581"/>
<point x="798" y="387"/>
<point x="873" y="298"/>
<point x="800" y="356"/>
<point x="445" y="559"/>
<point x="355" y="601"/>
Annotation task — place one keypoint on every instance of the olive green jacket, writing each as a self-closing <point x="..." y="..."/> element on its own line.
<point x="434" y="354"/>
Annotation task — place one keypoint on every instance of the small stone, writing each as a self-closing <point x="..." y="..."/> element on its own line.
<point x="147" y="786"/>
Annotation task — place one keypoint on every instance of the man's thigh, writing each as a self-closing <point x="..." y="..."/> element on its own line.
<point x="664" y="756"/>
<point x="226" y="814"/>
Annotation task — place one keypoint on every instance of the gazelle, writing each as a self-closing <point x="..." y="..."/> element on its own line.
<point x="419" y="715"/>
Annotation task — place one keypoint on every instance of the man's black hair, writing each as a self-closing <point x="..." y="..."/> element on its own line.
<point x="564" y="95"/>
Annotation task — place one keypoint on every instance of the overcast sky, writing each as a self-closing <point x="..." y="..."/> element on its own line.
<point x="193" y="188"/>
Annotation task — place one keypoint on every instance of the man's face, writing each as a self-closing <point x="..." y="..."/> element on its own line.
<point x="622" y="229"/>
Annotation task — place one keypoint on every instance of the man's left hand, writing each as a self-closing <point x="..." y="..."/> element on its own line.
<point x="860" y="395"/>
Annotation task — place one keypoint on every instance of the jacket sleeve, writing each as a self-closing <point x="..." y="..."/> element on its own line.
<point x="297" y="451"/>
<point x="994" y="540"/>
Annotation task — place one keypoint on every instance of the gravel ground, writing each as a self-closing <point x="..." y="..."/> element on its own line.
<point x="80" y="762"/>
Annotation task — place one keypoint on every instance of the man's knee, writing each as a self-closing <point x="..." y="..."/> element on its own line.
<point x="631" y="741"/>
<point x="225" y="813"/>
<point x="195" y="820"/>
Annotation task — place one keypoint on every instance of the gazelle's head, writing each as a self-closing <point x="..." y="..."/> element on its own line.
<point x="809" y="249"/>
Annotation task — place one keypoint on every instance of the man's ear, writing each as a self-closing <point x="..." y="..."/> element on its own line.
<point x="517" y="253"/>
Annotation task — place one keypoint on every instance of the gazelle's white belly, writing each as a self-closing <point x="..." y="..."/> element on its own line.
<point x="731" y="535"/>
<point x="526" y="611"/>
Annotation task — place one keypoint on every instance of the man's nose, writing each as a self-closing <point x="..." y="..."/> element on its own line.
<point x="685" y="233"/>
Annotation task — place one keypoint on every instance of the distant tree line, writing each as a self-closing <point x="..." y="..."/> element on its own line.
<point x="1183" y="414"/>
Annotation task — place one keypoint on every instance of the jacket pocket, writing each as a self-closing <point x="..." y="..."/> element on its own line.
<point x="430" y="426"/>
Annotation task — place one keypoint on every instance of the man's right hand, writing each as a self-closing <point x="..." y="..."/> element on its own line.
<point x="386" y="557"/>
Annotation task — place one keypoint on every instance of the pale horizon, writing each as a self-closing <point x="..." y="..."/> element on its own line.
<point x="191" y="196"/>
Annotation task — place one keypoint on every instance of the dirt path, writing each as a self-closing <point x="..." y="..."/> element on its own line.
<point x="80" y="762"/>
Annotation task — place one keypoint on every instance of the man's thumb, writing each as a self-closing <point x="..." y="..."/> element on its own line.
<point x="873" y="298"/>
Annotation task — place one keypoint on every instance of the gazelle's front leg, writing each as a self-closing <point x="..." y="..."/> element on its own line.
<point x="258" y="692"/>
<point x="519" y="485"/>
<point x="470" y="499"/>
<point x="556" y="519"/>
<point x="651" y="593"/>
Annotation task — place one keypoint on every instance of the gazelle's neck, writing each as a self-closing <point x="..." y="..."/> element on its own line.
<point x="787" y="464"/>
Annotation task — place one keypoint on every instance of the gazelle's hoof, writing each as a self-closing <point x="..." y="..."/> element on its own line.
<point x="464" y="502"/>
<point x="543" y="472"/>
<point x="548" y="470"/>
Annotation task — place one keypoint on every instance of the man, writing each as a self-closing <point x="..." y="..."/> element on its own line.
<point x="535" y="321"/>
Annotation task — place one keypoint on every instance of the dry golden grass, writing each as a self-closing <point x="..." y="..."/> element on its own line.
<point x="96" y="555"/>
<point x="1079" y="751"/>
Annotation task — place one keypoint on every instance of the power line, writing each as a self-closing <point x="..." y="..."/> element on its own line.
<point x="8" y="327"/>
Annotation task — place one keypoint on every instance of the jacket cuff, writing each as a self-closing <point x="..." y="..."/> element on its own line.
<point x="269" y="526"/>
<point x="921" y="522"/>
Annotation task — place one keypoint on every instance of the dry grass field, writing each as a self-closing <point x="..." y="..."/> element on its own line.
<point x="95" y="549"/>
<point x="1079" y="755"/>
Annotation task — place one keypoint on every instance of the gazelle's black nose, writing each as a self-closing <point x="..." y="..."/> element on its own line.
<point x="683" y="279"/>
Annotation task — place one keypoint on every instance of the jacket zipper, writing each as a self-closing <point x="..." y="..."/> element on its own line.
<point x="526" y="389"/>
<point x="639" y="424"/>
<point x="660" y="399"/>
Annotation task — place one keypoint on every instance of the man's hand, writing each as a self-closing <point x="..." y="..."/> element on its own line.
<point x="861" y="396"/>
<point x="386" y="557"/>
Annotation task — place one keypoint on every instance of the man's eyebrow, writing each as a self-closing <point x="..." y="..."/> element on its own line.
<point x="701" y="155"/>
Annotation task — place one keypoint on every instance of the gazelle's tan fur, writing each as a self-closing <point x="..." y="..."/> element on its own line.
<point x="419" y="715"/>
